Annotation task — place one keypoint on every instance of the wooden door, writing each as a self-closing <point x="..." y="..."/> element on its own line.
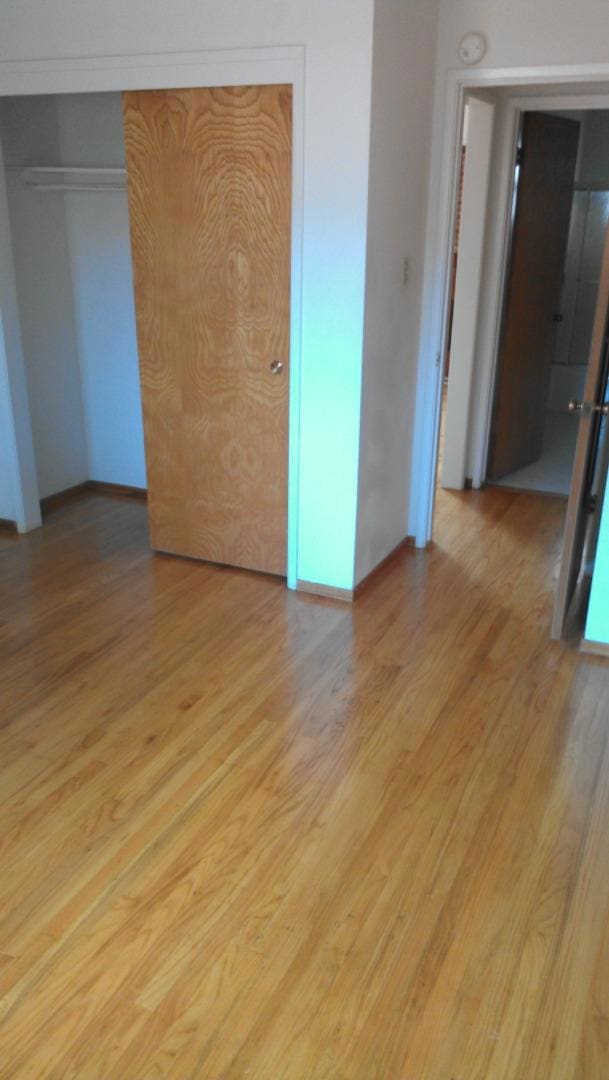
<point x="578" y="510"/>
<point x="209" y="184"/>
<point x="539" y="244"/>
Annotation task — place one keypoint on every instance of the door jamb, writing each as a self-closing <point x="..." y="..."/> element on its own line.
<point x="446" y="133"/>
<point x="467" y="288"/>
<point x="490" y="333"/>
<point x="217" y="67"/>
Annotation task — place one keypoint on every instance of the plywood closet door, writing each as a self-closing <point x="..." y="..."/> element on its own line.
<point x="209" y="182"/>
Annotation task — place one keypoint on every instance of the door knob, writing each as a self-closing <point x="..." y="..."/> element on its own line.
<point x="276" y="367"/>
<point x="581" y="406"/>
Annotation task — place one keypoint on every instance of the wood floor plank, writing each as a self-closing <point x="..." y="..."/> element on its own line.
<point x="247" y="833"/>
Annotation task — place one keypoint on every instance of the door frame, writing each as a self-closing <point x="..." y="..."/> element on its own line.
<point x="161" y="71"/>
<point x="472" y="231"/>
<point x="482" y="417"/>
<point x="445" y="165"/>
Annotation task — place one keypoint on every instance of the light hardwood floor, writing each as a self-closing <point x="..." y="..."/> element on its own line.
<point x="254" y="834"/>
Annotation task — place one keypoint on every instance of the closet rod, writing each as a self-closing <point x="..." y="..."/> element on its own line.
<point x="75" y="187"/>
<point x="115" y="170"/>
<point x="71" y="177"/>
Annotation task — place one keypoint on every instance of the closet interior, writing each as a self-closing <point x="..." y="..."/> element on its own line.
<point x="64" y="161"/>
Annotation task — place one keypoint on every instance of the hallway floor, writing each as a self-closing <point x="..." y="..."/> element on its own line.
<point x="551" y="474"/>
<point x="253" y="834"/>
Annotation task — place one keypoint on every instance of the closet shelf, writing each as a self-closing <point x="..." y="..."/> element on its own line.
<point x="71" y="177"/>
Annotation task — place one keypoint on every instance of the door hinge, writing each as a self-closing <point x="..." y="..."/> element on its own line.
<point x="520" y="155"/>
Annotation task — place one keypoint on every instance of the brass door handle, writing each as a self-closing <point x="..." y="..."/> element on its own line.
<point x="587" y="406"/>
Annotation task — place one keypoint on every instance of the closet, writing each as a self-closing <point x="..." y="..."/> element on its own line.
<point x="64" y="159"/>
<point x="199" y="419"/>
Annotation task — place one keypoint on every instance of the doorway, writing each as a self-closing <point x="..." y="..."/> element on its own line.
<point x="561" y="186"/>
<point x="547" y="305"/>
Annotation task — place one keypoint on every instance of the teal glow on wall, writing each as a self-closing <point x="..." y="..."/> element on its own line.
<point x="597" y="623"/>
<point x="333" y="307"/>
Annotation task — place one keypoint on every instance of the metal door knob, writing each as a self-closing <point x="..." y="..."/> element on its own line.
<point x="579" y="406"/>
<point x="276" y="367"/>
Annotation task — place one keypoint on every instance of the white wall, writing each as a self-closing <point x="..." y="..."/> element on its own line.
<point x="42" y="264"/>
<point x="522" y="34"/>
<point x="73" y="268"/>
<point x="42" y="267"/>
<point x="19" y="501"/>
<point x="8" y="503"/>
<point x="98" y="230"/>
<point x="91" y="133"/>
<point x="337" y="38"/>
<point x="403" y="59"/>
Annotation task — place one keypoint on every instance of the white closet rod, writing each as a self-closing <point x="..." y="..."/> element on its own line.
<point x="117" y="170"/>
<point x="77" y="177"/>
<point x="75" y="187"/>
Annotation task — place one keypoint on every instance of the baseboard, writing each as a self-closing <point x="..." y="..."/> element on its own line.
<point x="383" y="566"/>
<point x="50" y="502"/>
<point x="8" y="526"/>
<point x="525" y="491"/>
<point x="327" y="591"/>
<point x="349" y="595"/>
<point x="595" y="648"/>
<point x="125" y="490"/>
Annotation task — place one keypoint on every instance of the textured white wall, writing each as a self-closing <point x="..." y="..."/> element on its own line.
<point x="402" y="81"/>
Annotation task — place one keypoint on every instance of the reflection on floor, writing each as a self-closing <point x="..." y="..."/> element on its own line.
<point x="552" y="472"/>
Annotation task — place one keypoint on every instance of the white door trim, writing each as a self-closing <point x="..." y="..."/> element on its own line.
<point x="489" y="339"/>
<point x="446" y="138"/>
<point x="221" y="67"/>
<point x="474" y="204"/>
